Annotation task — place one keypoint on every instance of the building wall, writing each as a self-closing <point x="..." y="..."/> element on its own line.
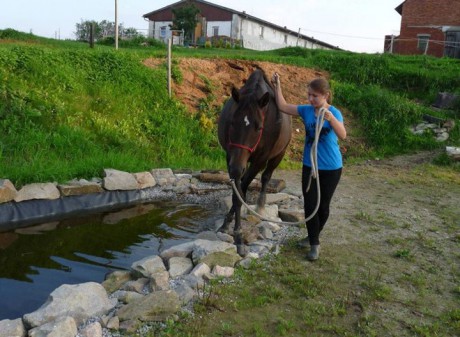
<point x="426" y="17"/>
<point x="253" y="34"/>
<point x="225" y="28"/>
<point x="257" y="36"/>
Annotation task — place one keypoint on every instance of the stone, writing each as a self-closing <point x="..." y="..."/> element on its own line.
<point x="182" y="250"/>
<point x="148" y="266"/>
<point x="227" y="259"/>
<point x="157" y="306"/>
<point x="206" y="247"/>
<point x="115" y="180"/>
<point x="163" y="176"/>
<point x="79" y="301"/>
<point x="7" y="190"/>
<point x="12" y="328"/>
<point x="115" y="280"/>
<point x="47" y="191"/>
<point x="136" y="285"/>
<point x="220" y="177"/>
<point x="79" y="187"/>
<point x="159" y="281"/>
<point x="200" y="270"/>
<point x="144" y="180"/>
<point x="61" y="327"/>
<point x="291" y="215"/>
<point x="92" y="330"/>
<point x="179" y="266"/>
<point x="223" y="271"/>
<point x="185" y="293"/>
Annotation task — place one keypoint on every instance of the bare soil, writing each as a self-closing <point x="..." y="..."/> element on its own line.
<point x="224" y="74"/>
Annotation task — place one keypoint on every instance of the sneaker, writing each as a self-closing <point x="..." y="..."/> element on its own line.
<point x="304" y="243"/>
<point x="313" y="254"/>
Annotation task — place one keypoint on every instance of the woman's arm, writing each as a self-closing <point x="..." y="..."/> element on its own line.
<point x="338" y="126"/>
<point x="290" y="109"/>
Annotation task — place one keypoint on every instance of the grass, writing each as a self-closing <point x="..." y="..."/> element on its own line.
<point x="68" y="111"/>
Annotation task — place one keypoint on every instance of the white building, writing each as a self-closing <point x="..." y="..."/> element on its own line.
<point x="221" y="22"/>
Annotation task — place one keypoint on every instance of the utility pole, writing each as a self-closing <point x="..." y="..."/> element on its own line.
<point x="116" y="24"/>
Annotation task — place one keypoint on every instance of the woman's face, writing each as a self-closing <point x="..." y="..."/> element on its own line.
<point x="316" y="99"/>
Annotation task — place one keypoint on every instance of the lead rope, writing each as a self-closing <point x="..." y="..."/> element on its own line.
<point x="313" y="174"/>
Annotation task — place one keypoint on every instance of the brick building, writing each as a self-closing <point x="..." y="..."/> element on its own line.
<point x="428" y="27"/>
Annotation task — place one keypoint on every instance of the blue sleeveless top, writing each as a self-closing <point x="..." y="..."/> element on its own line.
<point x="329" y="156"/>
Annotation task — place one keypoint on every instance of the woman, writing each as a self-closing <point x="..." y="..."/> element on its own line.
<point x="328" y="153"/>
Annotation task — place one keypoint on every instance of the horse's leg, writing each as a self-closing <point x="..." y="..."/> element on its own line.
<point x="227" y="220"/>
<point x="272" y="164"/>
<point x="246" y="180"/>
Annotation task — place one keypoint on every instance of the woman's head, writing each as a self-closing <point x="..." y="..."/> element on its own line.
<point x="319" y="92"/>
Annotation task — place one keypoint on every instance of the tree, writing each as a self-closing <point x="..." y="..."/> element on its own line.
<point x="185" y="18"/>
<point x="103" y="30"/>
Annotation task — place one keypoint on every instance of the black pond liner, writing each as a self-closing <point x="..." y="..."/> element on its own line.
<point x="15" y="215"/>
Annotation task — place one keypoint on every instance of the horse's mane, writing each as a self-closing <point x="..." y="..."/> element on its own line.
<point x="255" y="82"/>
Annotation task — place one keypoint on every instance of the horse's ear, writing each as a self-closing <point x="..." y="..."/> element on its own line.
<point x="235" y="94"/>
<point x="263" y="101"/>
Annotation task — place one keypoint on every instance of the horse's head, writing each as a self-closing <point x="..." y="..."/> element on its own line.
<point x="246" y="127"/>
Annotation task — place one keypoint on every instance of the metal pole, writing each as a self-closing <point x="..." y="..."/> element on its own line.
<point x="169" y="66"/>
<point x="116" y="24"/>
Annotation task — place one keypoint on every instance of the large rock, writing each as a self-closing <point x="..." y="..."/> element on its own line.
<point x="79" y="301"/>
<point x="179" y="266"/>
<point x="118" y="180"/>
<point x="157" y="306"/>
<point x="79" y="187"/>
<point x="144" y="180"/>
<point x="203" y="248"/>
<point x="62" y="327"/>
<point x="164" y="176"/>
<point x="148" y="266"/>
<point x="12" y="328"/>
<point x="7" y="191"/>
<point x="38" y="191"/>
<point x="115" y="280"/>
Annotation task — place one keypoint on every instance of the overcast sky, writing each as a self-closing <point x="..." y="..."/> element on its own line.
<point x="355" y="25"/>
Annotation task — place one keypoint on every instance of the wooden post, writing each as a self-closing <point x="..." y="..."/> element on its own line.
<point x="116" y="24"/>
<point x="91" y="34"/>
<point x="169" y="66"/>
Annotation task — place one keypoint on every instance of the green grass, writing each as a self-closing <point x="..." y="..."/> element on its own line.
<point x="68" y="111"/>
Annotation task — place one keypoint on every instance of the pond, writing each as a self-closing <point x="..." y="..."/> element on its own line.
<point x="36" y="260"/>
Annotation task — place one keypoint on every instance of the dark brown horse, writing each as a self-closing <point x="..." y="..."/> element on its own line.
<point x="255" y="136"/>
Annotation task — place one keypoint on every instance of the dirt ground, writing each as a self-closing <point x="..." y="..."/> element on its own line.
<point x="220" y="75"/>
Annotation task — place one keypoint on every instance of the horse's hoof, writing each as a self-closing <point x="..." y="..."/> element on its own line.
<point x="242" y="250"/>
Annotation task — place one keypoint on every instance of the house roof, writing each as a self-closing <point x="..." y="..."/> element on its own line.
<point x="400" y="7"/>
<point x="247" y="16"/>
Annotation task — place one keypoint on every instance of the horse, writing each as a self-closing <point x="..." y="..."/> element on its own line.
<point x="255" y="134"/>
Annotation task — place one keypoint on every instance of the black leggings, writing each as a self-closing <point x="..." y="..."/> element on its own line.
<point x="328" y="180"/>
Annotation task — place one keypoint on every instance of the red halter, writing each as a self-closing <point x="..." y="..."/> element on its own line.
<point x="242" y="146"/>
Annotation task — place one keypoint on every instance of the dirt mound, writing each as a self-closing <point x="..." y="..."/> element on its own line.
<point x="211" y="81"/>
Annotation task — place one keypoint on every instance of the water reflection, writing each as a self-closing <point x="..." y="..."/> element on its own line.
<point x="37" y="259"/>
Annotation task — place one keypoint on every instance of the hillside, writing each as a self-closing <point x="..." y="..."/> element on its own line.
<point x="68" y="111"/>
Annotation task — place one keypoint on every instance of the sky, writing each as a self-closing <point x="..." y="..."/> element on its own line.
<point x="354" y="25"/>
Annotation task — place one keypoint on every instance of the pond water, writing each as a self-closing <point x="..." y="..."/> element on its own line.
<point x="36" y="260"/>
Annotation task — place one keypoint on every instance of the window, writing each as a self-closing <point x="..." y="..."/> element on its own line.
<point x="215" y="30"/>
<point x="285" y="38"/>
<point x="163" y="31"/>
<point x="422" y="43"/>
<point x="261" y="31"/>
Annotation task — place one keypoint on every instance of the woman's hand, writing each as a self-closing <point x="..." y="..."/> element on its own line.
<point x="276" y="80"/>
